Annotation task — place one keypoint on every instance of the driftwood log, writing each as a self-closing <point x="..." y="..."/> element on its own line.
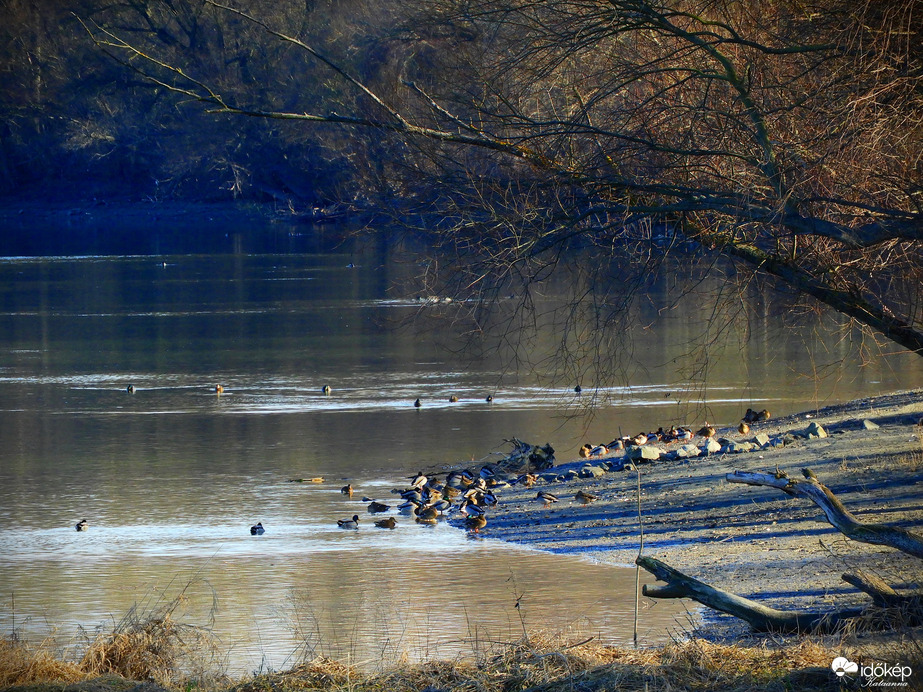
<point x="765" y="619"/>
<point x="837" y="514"/>
<point x="761" y="618"/>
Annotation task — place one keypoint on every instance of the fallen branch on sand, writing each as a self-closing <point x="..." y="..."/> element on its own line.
<point x="909" y="608"/>
<point x="837" y="514"/>
<point x="761" y="618"/>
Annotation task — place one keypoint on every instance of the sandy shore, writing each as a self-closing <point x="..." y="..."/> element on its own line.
<point x="756" y="542"/>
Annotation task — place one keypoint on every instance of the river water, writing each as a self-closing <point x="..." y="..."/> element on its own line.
<point x="171" y="476"/>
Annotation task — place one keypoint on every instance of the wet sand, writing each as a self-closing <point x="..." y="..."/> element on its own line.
<point x="754" y="541"/>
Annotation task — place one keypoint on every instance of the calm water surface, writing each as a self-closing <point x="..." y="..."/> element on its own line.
<point x="171" y="477"/>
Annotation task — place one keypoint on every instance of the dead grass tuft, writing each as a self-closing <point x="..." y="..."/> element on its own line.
<point x="150" y="649"/>
<point x="23" y="664"/>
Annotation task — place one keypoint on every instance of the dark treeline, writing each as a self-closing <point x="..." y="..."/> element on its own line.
<point x="77" y="123"/>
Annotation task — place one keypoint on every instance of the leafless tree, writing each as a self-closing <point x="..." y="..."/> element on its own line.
<point x="784" y="136"/>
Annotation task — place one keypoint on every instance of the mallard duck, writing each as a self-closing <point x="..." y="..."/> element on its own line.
<point x="441" y="505"/>
<point x="218" y="389"/>
<point x="326" y="389"/>
<point x="762" y="415"/>
<point x="412" y="496"/>
<point x="490" y="398"/>
<point x="427" y="515"/>
<point x="376" y="507"/>
<point x="349" y="523"/>
<point x="417" y="403"/>
<point x="418" y="481"/>
<point x="639" y="439"/>
<point x="684" y="434"/>
<point x="469" y="509"/>
<point x="486" y="473"/>
<point x="453" y="399"/>
<point x="545" y="498"/>
<point x="388" y="523"/>
<point x="528" y="480"/>
<point x="347" y="489"/>
<point x="82" y="525"/>
<point x="257" y="529"/>
<point x="459" y="479"/>
<point x="585" y="497"/>
<point x="599" y="451"/>
<point x="130" y="389"/>
<point x="706" y="431"/>
<point x="585" y="450"/>
<point x="743" y="428"/>
<point x="475" y="523"/>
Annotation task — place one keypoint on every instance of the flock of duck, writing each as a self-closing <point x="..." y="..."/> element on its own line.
<point x="674" y="434"/>
<point x="428" y="500"/>
<point x="470" y="496"/>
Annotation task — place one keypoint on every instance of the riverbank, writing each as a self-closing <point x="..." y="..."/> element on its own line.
<point x="753" y="541"/>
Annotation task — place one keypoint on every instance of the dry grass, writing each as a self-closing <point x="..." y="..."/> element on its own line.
<point x="146" y="645"/>
<point x="22" y="664"/>
<point x="546" y="665"/>
<point x="149" y="652"/>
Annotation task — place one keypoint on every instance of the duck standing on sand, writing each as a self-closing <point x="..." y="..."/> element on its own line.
<point x="349" y="523"/>
<point x="257" y="529"/>
<point x="475" y="523"/>
<point x="82" y="525"/>
<point x="585" y="497"/>
<point x="707" y="431"/>
<point x="545" y="498"/>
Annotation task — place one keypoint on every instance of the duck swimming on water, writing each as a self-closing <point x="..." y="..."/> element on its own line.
<point x="82" y="525"/>
<point x="257" y="529"/>
<point x="349" y="523"/>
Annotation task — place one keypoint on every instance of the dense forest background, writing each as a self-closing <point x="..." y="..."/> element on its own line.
<point x="78" y="124"/>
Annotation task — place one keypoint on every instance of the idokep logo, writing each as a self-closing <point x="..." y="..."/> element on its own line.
<point x="874" y="674"/>
<point x="841" y="666"/>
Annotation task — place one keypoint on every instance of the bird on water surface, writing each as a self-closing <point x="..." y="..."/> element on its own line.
<point x="257" y="529"/>
<point x="349" y="523"/>
<point x="417" y="403"/>
<point x="82" y="525"/>
<point x="388" y="523"/>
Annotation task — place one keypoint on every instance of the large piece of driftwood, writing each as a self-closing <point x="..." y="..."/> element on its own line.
<point x="761" y="618"/>
<point x="837" y="514"/>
